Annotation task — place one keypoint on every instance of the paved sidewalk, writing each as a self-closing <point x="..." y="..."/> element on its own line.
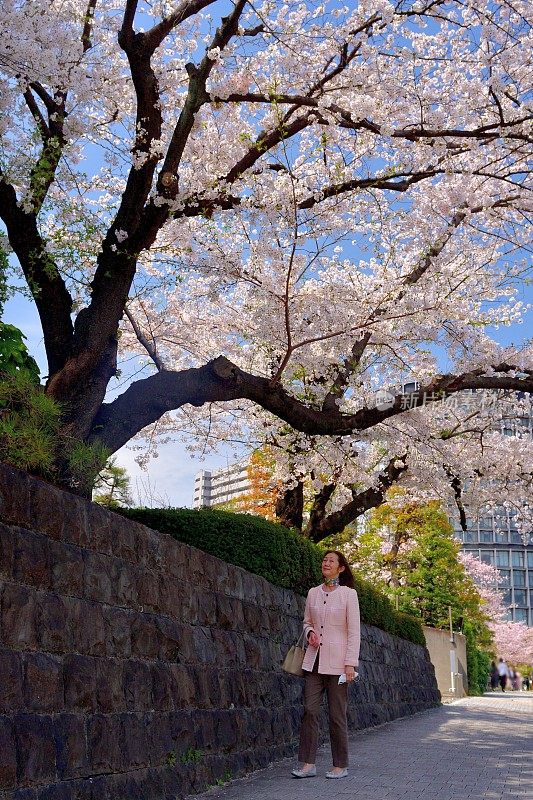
<point x="478" y="748"/>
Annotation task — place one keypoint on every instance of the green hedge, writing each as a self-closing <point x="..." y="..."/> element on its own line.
<point x="283" y="557"/>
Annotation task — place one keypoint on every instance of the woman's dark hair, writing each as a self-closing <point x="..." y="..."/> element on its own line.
<point x="345" y="577"/>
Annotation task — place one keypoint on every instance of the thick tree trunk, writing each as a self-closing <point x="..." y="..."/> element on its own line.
<point x="290" y="507"/>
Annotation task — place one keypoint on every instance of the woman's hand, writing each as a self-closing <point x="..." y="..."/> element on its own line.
<point x="313" y="639"/>
<point x="350" y="673"/>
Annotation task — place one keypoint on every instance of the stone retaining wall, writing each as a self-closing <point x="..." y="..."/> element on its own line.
<point x="133" y="666"/>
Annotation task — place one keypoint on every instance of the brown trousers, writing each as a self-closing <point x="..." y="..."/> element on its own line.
<point x="315" y="686"/>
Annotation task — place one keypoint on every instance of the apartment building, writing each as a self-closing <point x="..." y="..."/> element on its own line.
<point x="220" y="486"/>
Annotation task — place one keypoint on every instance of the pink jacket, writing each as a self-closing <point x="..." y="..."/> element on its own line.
<point x="334" y="616"/>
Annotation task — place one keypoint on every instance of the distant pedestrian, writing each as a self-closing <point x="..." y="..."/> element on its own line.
<point x="503" y="673"/>
<point x="333" y="629"/>
<point x="494" y="676"/>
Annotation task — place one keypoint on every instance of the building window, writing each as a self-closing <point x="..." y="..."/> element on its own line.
<point x="502" y="558"/>
<point x="487" y="556"/>
<point x="531" y="579"/>
<point x="520" y="597"/>
<point x="501" y="536"/>
<point x="505" y="575"/>
<point x="530" y="558"/>
<point x="485" y="536"/>
<point x="518" y="558"/>
<point x="519" y="577"/>
<point x="506" y="597"/>
<point x="520" y="615"/>
<point x="469" y="537"/>
<point x="516" y="538"/>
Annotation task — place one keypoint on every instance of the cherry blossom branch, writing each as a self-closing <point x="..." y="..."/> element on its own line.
<point x="349" y="366"/>
<point x="221" y="380"/>
<point x="150" y="347"/>
<point x="88" y="25"/>
<point x="323" y="525"/>
<point x="411" y="133"/>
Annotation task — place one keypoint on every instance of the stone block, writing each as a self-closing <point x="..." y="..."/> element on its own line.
<point x="162" y="687"/>
<point x="208" y="609"/>
<point x="59" y="791"/>
<point x="148" y="590"/>
<point x="7" y="551"/>
<point x="124" y="585"/>
<point x="11" y="697"/>
<point x="183" y="686"/>
<point x="43" y="682"/>
<point x="225" y="729"/>
<point x="35" y="748"/>
<point x="161" y="738"/>
<point x="204" y="648"/>
<point x="148" y="548"/>
<point x="20" y="794"/>
<point x="19" y="617"/>
<point x="230" y="615"/>
<point x="8" y="755"/>
<point x="99" y="524"/>
<point x="171" y="639"/>
<point x="97" y="577"/>
<point x="145" y="636"/>
<point x="15" y="496"/>
<point x="86" y="625"/>
<point x="117" y="623"/>
<point x="171" y="598"/>
<point x="46" y="508"/>
<point x="109" y="686"/>
<point x="223" y="645"/>
<point x="71" y="746"/>
<point x="79" y="675"/>
<point x="136" y="738"/>
<point x="31" y="562"/>
<point x="254" y="649"/>
<point x="173" y="559"/>
<point x="255" y="619"/>
<point x="182" y="731"/>
<point x="105" y="743"/>
<point x="75" y="520"/>
<point x="54" y="633"/>
<point x="66" y="568"/>
<point x="137" y="684"/>
<point x="203" y="725"/>
<point x="124" y="539"/>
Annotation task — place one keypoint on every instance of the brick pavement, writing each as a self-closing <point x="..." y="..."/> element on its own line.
<point x="479" y="748"/>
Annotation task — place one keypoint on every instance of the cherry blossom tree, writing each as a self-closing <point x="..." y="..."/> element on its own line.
<point x="288" y="207"/>
<point x="513" y="641"/>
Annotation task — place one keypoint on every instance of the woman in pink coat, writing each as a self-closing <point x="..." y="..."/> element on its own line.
<point x="333" y="630"/>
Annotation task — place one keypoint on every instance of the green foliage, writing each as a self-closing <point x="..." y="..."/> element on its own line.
<point x="477" y="662"/>
<point x="83" y="460"/>
<point x="283" y="557"/>
<point x="191" y="756"/>
<point x="112" y="486"/>
<point x="29" y="421"/>
<point x="31" y="438"/>
<point x="14" y="356"/>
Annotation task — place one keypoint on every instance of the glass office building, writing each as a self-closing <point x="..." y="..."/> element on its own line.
<point x="502" y="546"/>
